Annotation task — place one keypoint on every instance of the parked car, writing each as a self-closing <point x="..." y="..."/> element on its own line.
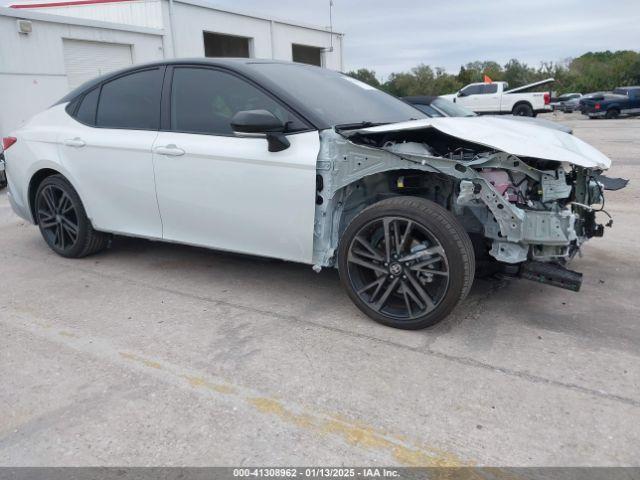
<point x="441" y="107"/>
<point x="306" y="164"/>
<point x="568" y="102"/>
<point x="497" y="99"/>
<point x="621" y="101"/>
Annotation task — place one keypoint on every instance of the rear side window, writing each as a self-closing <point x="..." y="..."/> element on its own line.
<point x="205" y="100"/>
<point x="489" y="88"/>
<point x="87" y="110"/>
<point x="131" y="102"/>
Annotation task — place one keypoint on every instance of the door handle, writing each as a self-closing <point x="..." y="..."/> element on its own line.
<point x="75" y="142"/>
<point x="170" y="150"/>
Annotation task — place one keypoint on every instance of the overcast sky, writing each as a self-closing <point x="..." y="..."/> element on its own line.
<point x="395" y="35"/>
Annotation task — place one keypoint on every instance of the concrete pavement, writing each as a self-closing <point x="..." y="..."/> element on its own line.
<point x="159" y="354"/>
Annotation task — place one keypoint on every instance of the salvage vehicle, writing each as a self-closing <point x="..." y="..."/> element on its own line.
<point x="621" y="101"/>
<point x="308" y="165"/>
<point x="441" y="107"/>
<point x="496" y="98"/>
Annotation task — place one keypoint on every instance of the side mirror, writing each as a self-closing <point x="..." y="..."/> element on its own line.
<point x="461" y="94"/>
<point x="261" y="123"/>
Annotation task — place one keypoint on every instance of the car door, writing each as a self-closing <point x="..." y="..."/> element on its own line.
<point x="106" y="148"/>
<point x="219" y="190"/>
<point x="468" y="96"/>
<point x="487" y="99"/>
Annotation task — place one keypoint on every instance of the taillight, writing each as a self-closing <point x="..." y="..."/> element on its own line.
<point x="547" y="98"/>
<point x="597" y="106"/>
<point x="8" y="141"/>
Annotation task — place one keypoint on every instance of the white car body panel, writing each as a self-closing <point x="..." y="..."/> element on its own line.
<point x="231" y="193"/>
<point x="115" y="173"/>
<point x="517" y="138"/>
<point x="36" y="149"/>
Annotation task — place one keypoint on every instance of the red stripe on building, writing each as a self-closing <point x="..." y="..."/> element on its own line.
<point x="65" y="4"/>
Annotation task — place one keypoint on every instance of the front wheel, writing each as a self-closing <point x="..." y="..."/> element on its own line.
<point x="406" y="262"/>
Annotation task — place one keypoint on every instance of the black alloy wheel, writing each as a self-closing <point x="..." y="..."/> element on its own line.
<point x="62" y="219"/>
<point x="398" y="268"/>
<point x="406" y="262"/>
<point x="57" y="218"/>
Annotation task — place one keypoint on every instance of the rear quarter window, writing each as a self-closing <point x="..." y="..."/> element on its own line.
<point x="86" y="112"/>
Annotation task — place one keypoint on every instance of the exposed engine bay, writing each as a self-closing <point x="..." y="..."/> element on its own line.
<point x="530" y="215"/>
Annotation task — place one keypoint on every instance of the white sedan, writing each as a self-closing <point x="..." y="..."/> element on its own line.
<point x="308" y="165"/>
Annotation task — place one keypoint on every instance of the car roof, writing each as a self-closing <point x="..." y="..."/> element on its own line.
<point x="241" y="66"/>
<point x="237" y="64"/>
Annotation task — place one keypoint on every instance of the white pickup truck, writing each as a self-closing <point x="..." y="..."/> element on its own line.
<point x="496" y="98"/>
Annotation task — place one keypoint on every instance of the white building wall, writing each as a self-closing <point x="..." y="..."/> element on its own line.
<point x="32" y="66"/>
<point x="270" y="38"/>
<point x="284" y="36"/>
<point x="142" y="13"/>
<point x="190" y="21"/>
<point x="32" y="72"/>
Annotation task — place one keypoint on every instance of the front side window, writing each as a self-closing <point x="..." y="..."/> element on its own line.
<point x="131" y="102"/>
<point x="205" y="100"/>
<point x="472" y="90"/>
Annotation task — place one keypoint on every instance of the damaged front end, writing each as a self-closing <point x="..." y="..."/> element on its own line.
<point x="527" y="203"/>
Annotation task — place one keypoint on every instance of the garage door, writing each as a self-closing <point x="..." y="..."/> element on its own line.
<point x="86" y="60"/>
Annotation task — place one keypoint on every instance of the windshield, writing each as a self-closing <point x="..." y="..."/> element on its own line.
<point x="451" y="109"/>
<point x="336" y="98"/>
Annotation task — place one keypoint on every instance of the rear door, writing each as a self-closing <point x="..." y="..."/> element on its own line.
<point x="222" y="191"/>
<point x="488" y="100"/>
<point x="106" y="148"/>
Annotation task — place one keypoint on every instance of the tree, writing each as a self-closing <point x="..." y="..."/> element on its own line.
<point x="590" y="72"/>
<point x="366" y="76"/>
<point x="516" y="73"/>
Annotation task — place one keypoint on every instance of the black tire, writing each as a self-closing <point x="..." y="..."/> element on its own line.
<point x="612" y="113"/>
<point x="63" y="221"/>
<point x="523" y="110"/>
<point x="3" y="180"/>
<point x="439" y="283"/>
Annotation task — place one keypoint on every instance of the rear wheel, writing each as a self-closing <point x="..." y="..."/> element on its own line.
<point x="612" y="113"/>
<point x="406" y="262"/>
<point x="523" y="110"/>
<point x="63" y="222"/>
